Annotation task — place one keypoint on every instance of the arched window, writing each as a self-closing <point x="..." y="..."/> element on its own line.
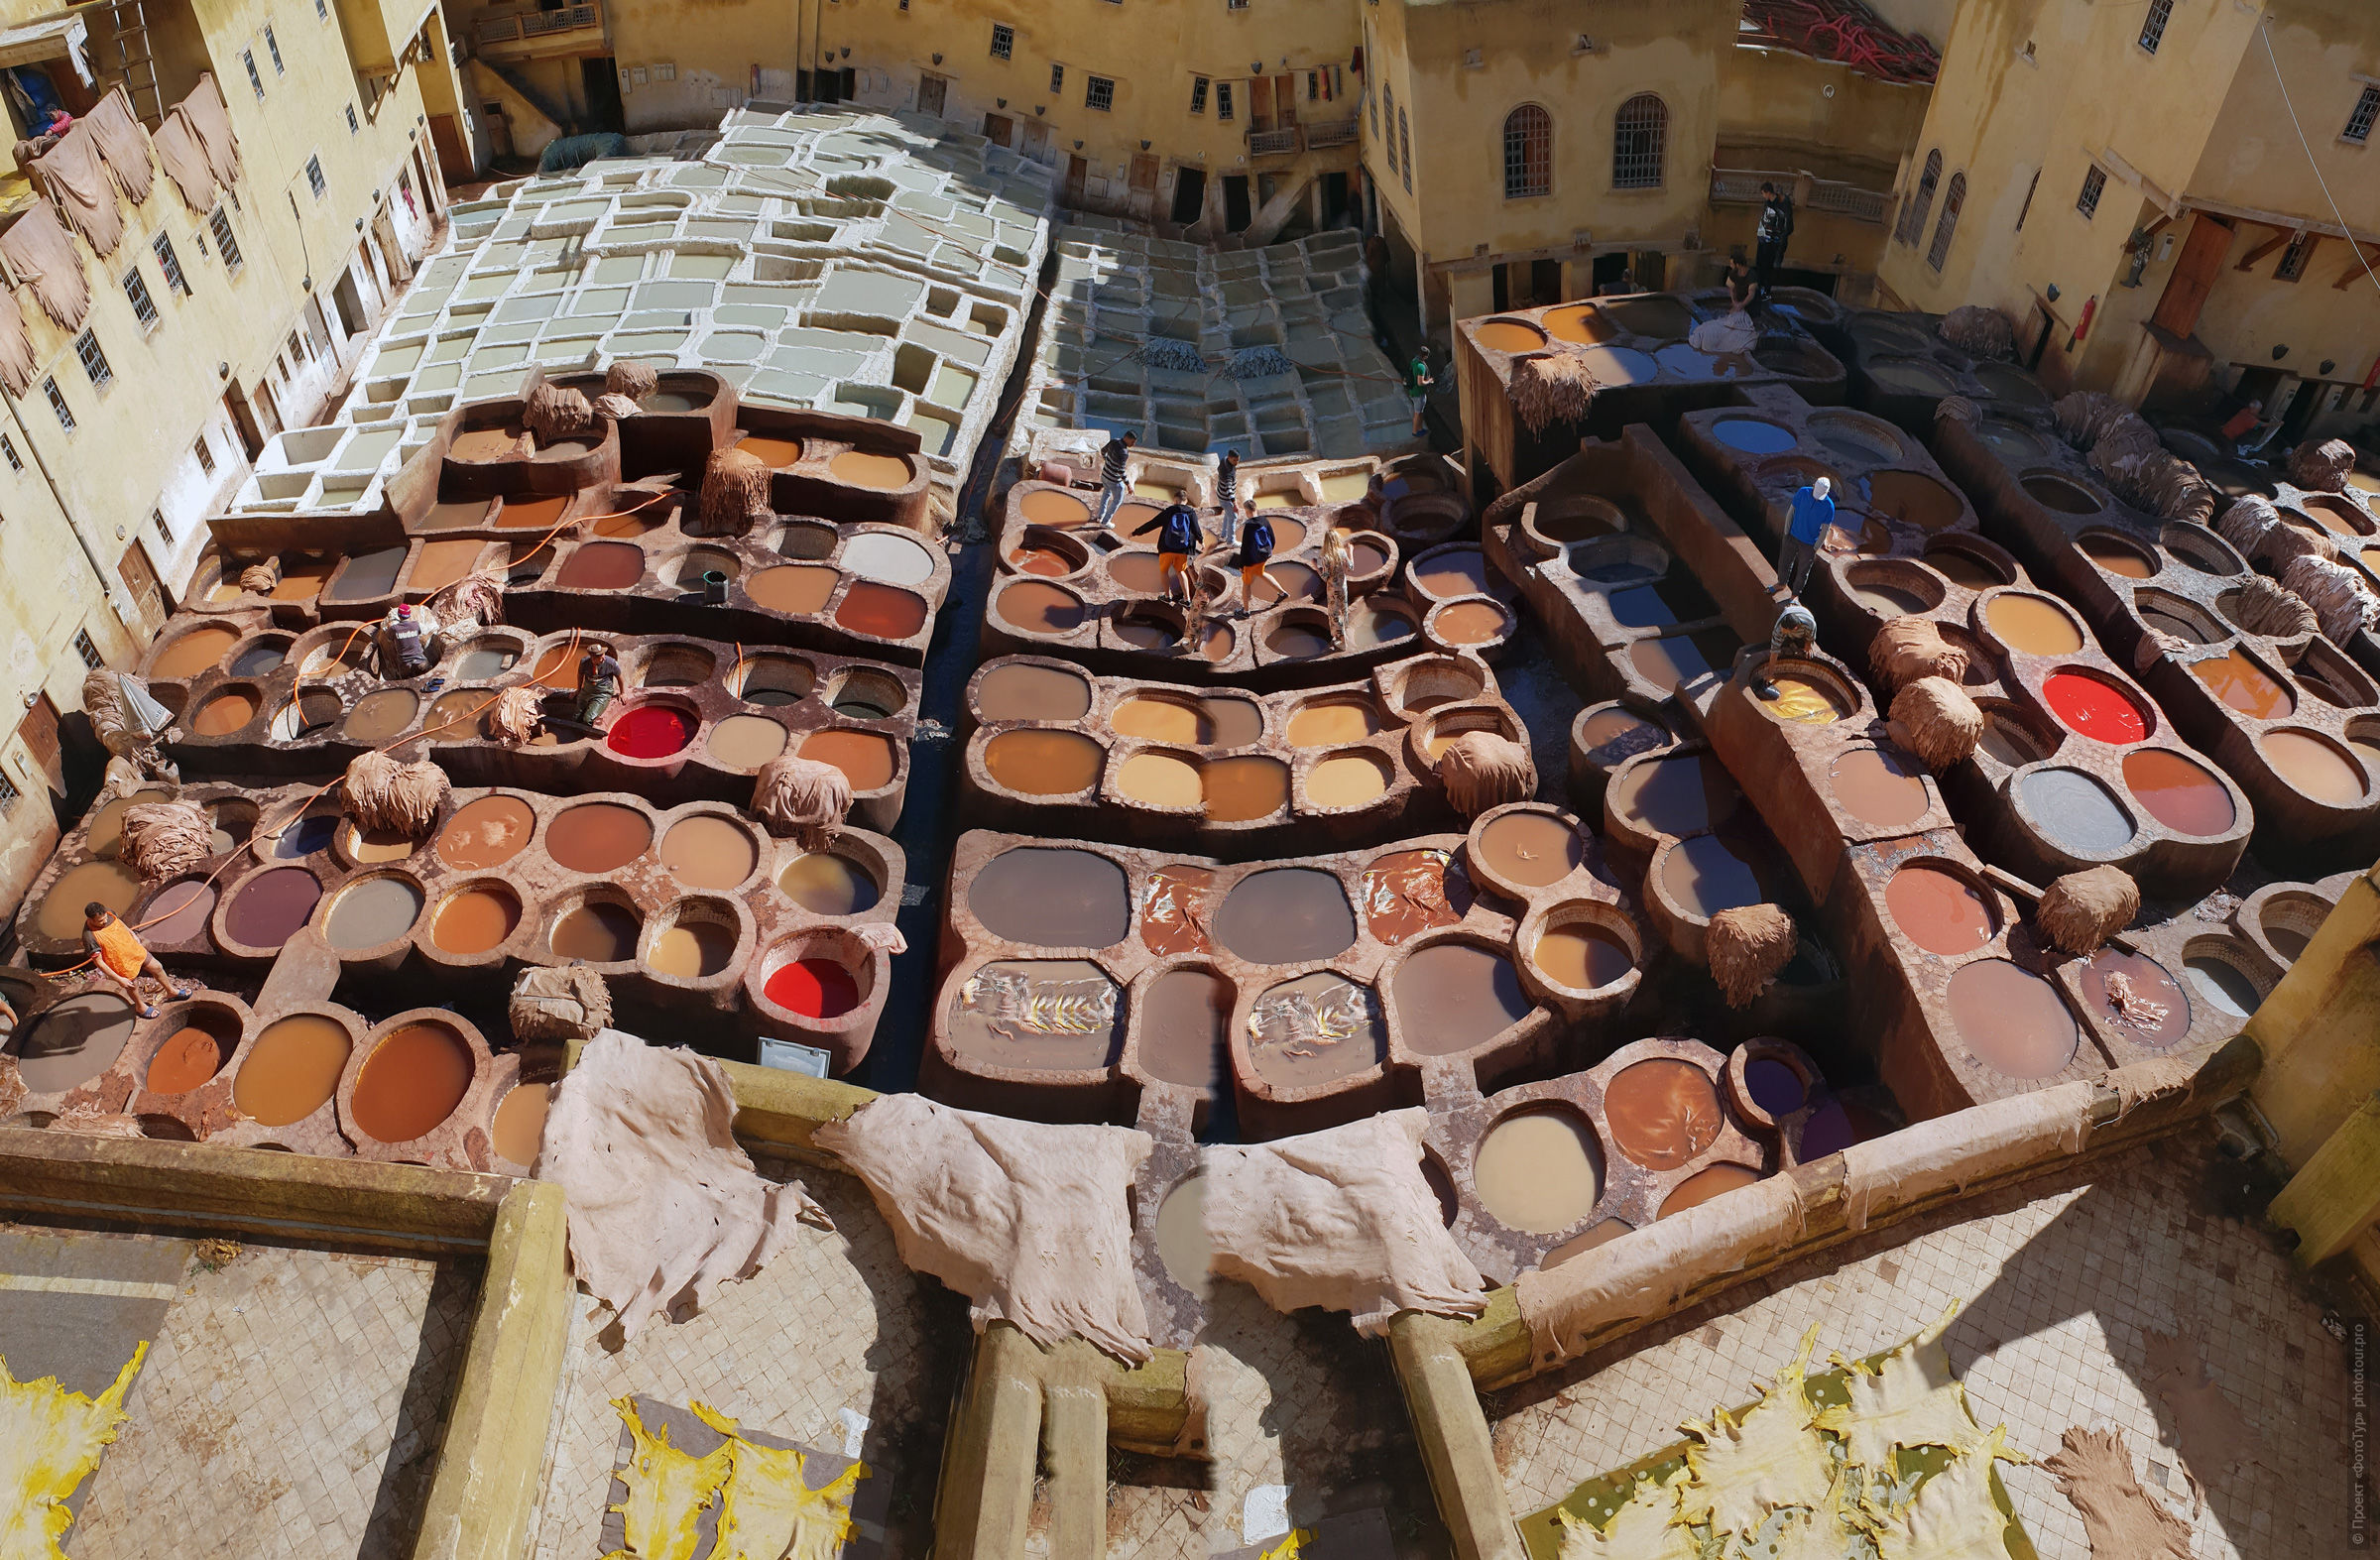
<point x="1404" y="141"/>
<point x="1913" y="215"/>
<point x="1947" y="228"/>
<point x="1639" y="135"/>
<point x="1529" y="151"/>
<point x="1388" y="98"/>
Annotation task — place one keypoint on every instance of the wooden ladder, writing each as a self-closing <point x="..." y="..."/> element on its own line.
<point x="136" y="67"/>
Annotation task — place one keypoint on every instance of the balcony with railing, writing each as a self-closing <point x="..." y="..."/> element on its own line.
<point x="1740" y="187"/>
<point x="542" y="35"/>
<point x="1273" y="143"/>
<point x="1331" y="133"/>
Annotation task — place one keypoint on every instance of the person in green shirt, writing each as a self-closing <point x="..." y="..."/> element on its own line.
<point x="1417" y="387"/>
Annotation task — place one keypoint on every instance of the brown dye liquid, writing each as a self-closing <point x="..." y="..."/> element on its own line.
<point x="1705" y="876"/>
<point x="518" y="1129"/>
<point x="1470" y="622"/>
<point x="302" y="579"/>
<point x="1160" y="779"/>
<point x="773" y="453"/>
<point x="1054" y="1014"/>
<point x="1037" y="606"/>
<point x="1316" y="1029"/>
<point x="379" y="716"/>
<point x="882" y="611"/>
<point x="1918" y="500"/>
<point x="73" y="1043"/>
<point x="1231" y="723"/>
<point x="1047" y="562"/>
<point x="598" y="931"/>
<point x="1055" y="508"/>
<point x="597" y="837"/>
<point x="1462" y="573"/>
<point x="2011" y="1018"/>
<point x="2116" y="557"/>
<point x="1938" y="910"/>
<point x="371" y="912"/>
<point x="708" y="852"/>
<point x="1240" y="790"/>
<point x="524" y="514"/>
<point x="193" y="653"/>
<point x="188" y="1059"/>
<point x="1136" y="571"/>
<point x="1347" y="780"/>
<point x="1026" y="692"/>
<point x="794" y="589"/>
<point x="2178" y="794"/>
<point x="1581" y="956"/>
<point x="691" y="950"/>
<point x="1615" y="734"/>
<point x="1453" y="996"/>
<point x="1183" y="1014"/>
<point x="1667" y="663"/>
<point x="746" y="742"/>
<point x="2314" y="767"/>
<point x="1539" y="1170"/>
<point x="413" y="1080"/>
<point x="179" y="914"/>
<point x="61" y="918"/>
<point x="1044" y="762"/>
<point x="106" y="836"/>
<point x="2155" y="1010"/>
<point x="485" y="443"/>
<point x="1675" y="795"/>
<point x="1662" y="1112"/>
<point x="602" y="566"/>
<point x="633" y="523"/>
<point x="1297" y="641"/>
<point x="2032" y="626"/>
<point x="1883" y="789"/>
<point x="1162" y="720"/>
<point x="865" y="756"/>
<point x="881" y="472"/>
<point x="475" y="921"/>
<point x="456" y="515"/>
<point x="224" y="714"/>
<point x="1287" y="580"/>
<point x="442" y="564"/>
<point x="292" y="1069"/>
<point x="486" y="833"/>
<point x="370" y="847"/>
<point x="825" y="884"/>
<point x="1053" y="899"/>
<point x="1508" y="335"/>
<point x="1964" y="570"/>
<point x="1145" y="633"/>
<point x="1531" y="849"/>
<point x="1176" y="904"/>
<point x="1700" y="1187"/>
<point x="1285" y="915"/>
<point x="1888" y="599"/>
<point x="1184" y="1245"/>
<point x="2244" y="685"/>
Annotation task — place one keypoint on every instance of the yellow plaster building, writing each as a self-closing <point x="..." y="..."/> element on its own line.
<point x="207" y="331"/>
<point x="2129" y="183"/>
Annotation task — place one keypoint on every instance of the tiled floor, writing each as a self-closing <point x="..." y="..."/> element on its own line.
<point x="290" y="1404"/>
<point x="2067" y="1298"/>
<point x="833" y="1338"/>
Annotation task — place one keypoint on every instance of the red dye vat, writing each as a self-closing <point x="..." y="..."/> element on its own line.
<point x="650" y="731"/>
<point x="814" y="987"/>
<point x="2099" y="710"/>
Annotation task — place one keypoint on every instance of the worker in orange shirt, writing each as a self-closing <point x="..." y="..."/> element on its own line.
<point x="121" y="956"/>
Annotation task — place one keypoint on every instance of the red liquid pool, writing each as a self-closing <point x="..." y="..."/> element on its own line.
<point x="814" y="987"/>
<point x="652" y="731"/>
<point x="2099" y="710"/>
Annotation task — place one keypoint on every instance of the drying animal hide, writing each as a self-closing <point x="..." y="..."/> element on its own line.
<point x="1907" y="649"/>
<point x="2334" y="592"/>
<point x="74" y="179"/>
<point x="1729" y="334"/>
<point x="379" y="792"/>
<point x="1978" y="332"/>
<point x="2082" y="909"/>
<point x="42" y="256"/>
<point x="2322" y="467"/>
<point x="1481" y="770"/>
<point x="162" y="838"/>
<point x="636" y="381"/>
<point x="558" y="1004"/>
<point x="2119" y="1517"/>
<point x="1342" y="1219"/>
<point x="259" y="579"/>
<point x="211" y="120"/>
<point x="182" y="156"/>
<point x="556" y="414"/>
<point x="804" y="799"/>
<point x="1938" y="722"/>
<point x="16" y="347"/>
<point x="103" y="702"/>
<point x="1747" y="946"/>
<point x="478" y="596"/>
<point x="515" y="715"/>
<point x="1032" y="1223"/>
<point x="735" y="493"/>
<point x="2284" y="543"/>
<point x="611" y="407"/>
<point x="1552" y="390"/>
<point x="883" y="937"/>
<point x="123" y="145"/>
<point x="2265" y="609"/>
<point x="1957" y="409"/>
<point x="2244" y="523"/>
<point x="664" y="1206"/>
<point x="2084" y="415"/>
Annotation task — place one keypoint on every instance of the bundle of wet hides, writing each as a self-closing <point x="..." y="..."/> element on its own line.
<point x="2264" y="607"/>
<point x="1907" y="649"/>
<point x="1552" y="390"/>
<point x="735" y="493"/>
<point x="1978" y="332"/>
<point x="804" y="799"/>
<point x="636" y="381"/>
<point x="2323" y="466"/>
<point x="1746" y="945"/>
<point x="162" y="838"/>
<point x="260" y="579"/>
<point x="1938" y="722"/>
<point x="515" y="715"/>
<point x="2082" y="909"/>
<point x="556" y="414"/>
<point x="2335" y="593"/>
<point x="558" y="1004"/>
<point x="1481" y="770"/>
<point x="379" y="792"/>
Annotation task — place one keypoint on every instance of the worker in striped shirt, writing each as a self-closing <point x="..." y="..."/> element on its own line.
<point x="1111" y="477"/>
<point x="1226" y="498"/>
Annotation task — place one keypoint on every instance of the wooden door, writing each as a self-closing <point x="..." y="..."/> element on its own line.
<point x="1077" y="170"/>
<point x="39" y="731"/>
<point x="1260" y="105"/>
<point x="2203" y="255"/>
<point x="140" y="577"/>
<point x="1035" y="143"/>
<point x="1144" y="184"/>
<point x="1284" y="98"/>
<point x="932" y="94"/>
<point x="999" y="128"/>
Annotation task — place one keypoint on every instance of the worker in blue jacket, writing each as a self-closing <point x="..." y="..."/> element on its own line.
<point x="1796" y="555"/>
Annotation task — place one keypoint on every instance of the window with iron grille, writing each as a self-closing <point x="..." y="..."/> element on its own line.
<point x="1057" y="77"/>
<point x="92" y="658"/>
<point x="352" y="125"/>
<point x="1003" y="40"/>
<point x="2294" y="258"/>
<point x="1639" y="138"/>
<point x="137" y="292"/>
<point x="164" y="533"/>
<point x="1099" y="92"/>
<point x="2367" y="110"/>
<point x="1388" y="96"/>
<point x="58" y="403"/>
<point x="170" y="264"/>
<point x="296" y="349"/>
<point x="2093" y="182"/>
<point x="1921" y="204"/>
<point x="225" y="244"/>
<point x="1529" y="151"/>
<point x="1235" y="5"/>
<point x="94" y="361"/>
<point x="314" y="176"/>
<point x="2152" y="26"/>
<point x="1405" y="143"/>
<point x="207" y="455"/>
<point x="1947" y="228"/>
<point x="9" y="794"/>
<point x="1223" y="99"/>
<point x="1198" y="94"/>
<point x="272" y="47"/>
<point x="248" y="58"/>
<point x="322" y="10"/>
<point x="8" y="450"/>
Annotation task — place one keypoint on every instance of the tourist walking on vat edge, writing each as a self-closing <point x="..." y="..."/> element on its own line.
<point x="1111" y="477"/>
<point x="1226" y="498"/>
<point x="1776" y="228"/>
<point x="121" y="956"/>
<point x="1255" y="550"/>
<point x="1812" y="514"/>
<point x="1179" y="537"/>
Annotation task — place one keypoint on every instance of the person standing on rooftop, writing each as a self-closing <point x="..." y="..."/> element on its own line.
<point x="1111" y="477"/>
<point x="1776" y="228"/>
